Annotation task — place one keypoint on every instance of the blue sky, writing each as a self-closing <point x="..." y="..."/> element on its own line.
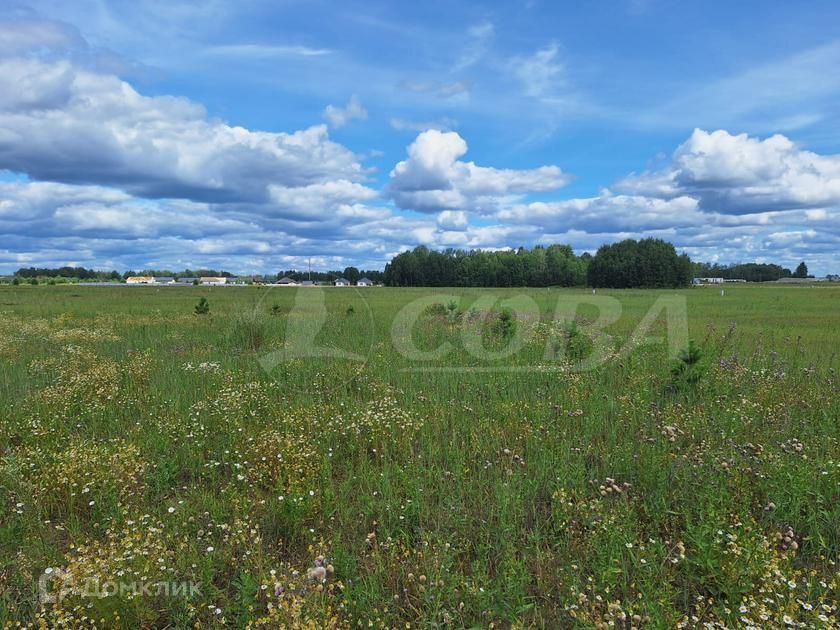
<point x="254" y="135"/>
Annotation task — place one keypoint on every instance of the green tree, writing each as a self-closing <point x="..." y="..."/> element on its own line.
<point x="801" y="270"/>
<point x="650" y="263"/>
<point x="352" y="274"/>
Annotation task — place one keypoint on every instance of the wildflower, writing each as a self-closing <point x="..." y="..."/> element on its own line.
<point x="317" y="573"/>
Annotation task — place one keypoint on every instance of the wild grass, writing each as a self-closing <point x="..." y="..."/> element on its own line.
<point x="143" y="443"/>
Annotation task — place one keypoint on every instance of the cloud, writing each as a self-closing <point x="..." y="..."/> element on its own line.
<point x="266" y="51"/>
<point x="438" y="88"/>
<point x="479" y="37"/>
<point x="66" y="117"/>
<point x="317" y="200"/>
<point x="739" y="174"/>
<point x="453" y="219"/>
<point x="340" y="116"/>
<point x="444" y="124"/>
<point x="24" y="32"/>
<point x="607" y="213"/>
<point x="433" y="179"/>
<point x="781" y="94"/>
<point x="541" y="74"/>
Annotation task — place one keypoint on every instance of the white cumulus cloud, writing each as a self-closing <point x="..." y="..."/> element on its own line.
<point x="433" y="178"/>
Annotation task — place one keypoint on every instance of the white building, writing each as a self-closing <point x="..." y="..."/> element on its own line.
<point x="708" y="280"/>
<point x="364" y="282"/>
<point x="139" y="280"/>
<point x="211" y="280"/>
<point x="342" y="282"/>
<point x="287" y="282"/>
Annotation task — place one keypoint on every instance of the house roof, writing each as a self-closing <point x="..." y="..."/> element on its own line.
<point x="368" y="280"/>
<point x="342" y="280"/>
<point x="187" y="279"/>
<point x="286" y="280"/>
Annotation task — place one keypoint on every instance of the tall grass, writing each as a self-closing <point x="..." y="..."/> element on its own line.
<point x="142" y="443"/>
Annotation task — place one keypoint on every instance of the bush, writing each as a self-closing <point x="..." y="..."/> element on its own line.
<point x="203" y="307"/>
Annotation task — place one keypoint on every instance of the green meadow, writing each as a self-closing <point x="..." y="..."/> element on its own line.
<point x="381" y="457"/>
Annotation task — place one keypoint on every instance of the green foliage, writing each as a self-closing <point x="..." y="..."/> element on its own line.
<point x="648" y="263"/>
<point x="556" y="265"/>
<point x="573" y="343"/>
<point x="203" y="307"/>
<point x="751" y="272"/>
<point x="505" y="324"/>
<point x="349" y="310"/>
<point x="688" y="368"/>
<point x="801" y="270"/>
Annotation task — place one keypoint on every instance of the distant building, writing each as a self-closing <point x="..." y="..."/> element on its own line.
<point x="213" y="280"/>
<point x="139" y="280"/>
<point x="187" y="280"/>
<point x="342" y="282"/>
<point x="164" y="280"/>
<point x="708" y="280"/>
<point x="364" y="282"/>
<point x="307" y="283"/>
<point x="734" y="280"/>
<point x="287" y="282"/>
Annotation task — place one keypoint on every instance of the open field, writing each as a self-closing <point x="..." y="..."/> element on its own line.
<point x="283" y="462"/>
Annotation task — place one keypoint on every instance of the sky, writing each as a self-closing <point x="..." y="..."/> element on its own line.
<point x="257" y="135"/>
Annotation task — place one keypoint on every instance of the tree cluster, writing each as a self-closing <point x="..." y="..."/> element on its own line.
<point x="66" y="272"/>
<point x="648" y="263"/>
<point x="556" y="265"/>
<point x="186" y="273"/>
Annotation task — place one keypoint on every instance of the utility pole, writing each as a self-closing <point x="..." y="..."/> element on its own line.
<point x="310" y="269"/>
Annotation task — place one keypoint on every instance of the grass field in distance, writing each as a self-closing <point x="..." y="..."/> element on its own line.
<point x="146" y="451"/>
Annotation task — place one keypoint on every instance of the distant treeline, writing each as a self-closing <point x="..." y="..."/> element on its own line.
<point x="67" y="272"/>
<point x="186" y="273"/>
<point x="630" y="263"/>
<point x="751" y="272"/>
<point x="80" y="273"/>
